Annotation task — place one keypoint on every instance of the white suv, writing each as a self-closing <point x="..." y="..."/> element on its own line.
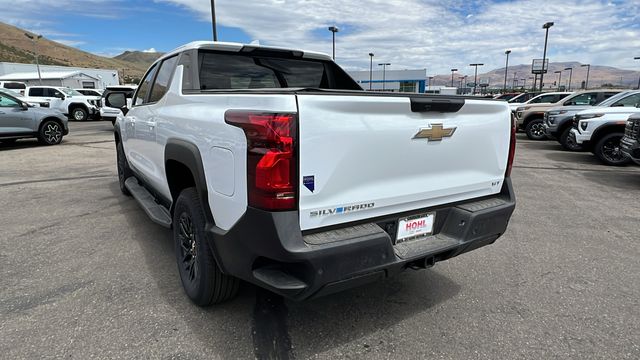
<point x="600" y="129"/>
<point x="66" y="100"/>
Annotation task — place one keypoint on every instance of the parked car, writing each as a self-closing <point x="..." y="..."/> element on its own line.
<point x="544" y="98"/>
<point x="13" y="85"/>
<point x="260" y="160"/>
<point x="30" y="101"/>
<point x="90" y="92"/>
<point x="522" y="98"/>
<point x="110" y="113"/>
<point x="66" y="100"/>
<point x="558" y="121"/>
<point x="20" y="120"/>
<point x="601" y="129"/>
<point x="630" y="142"/>
<point x="531" y="116"/>
<point x="506" y="96"/>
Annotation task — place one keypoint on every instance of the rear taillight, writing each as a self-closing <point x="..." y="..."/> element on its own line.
<point x="271" y="157"/>
<point x="512" y="147"/>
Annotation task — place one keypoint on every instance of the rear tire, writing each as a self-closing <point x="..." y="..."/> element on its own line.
<point x="124" y="172"/>
<point x="50" y="133"/>
<point x="535" y="130"/>
<point x="201" y="278"/>
<point x="567" y="142"/>
<point x="607" y="149"/>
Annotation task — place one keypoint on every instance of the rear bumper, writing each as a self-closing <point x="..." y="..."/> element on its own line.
<point x="269" y="249"/>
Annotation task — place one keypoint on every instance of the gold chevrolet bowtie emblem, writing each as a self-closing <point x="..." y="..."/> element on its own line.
<point x="436" y="133"/>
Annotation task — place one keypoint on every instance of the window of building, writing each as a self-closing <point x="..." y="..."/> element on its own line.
<point x="407" y="86"/>
<point x="88" y="85"/>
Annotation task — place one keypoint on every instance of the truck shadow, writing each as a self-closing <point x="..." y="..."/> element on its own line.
<point x="262" y="325"/>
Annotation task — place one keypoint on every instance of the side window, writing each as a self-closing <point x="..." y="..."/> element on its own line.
<point x="629" y="101"/>
<point x="145" y="86"/>
<point x="6" y="102"/>
<point x="583" y="99"/>
<point x="161" y="85"/>
<point x="36" y="92"/>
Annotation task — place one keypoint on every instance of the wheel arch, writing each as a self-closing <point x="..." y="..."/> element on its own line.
<point x="184" y="168"/>
<point x="50" y="118"/>
<point x="77" y="105"/>
<point x="531" y="117"/>
<point x="605" y="130"/>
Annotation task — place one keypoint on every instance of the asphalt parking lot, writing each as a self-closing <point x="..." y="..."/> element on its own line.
<point x="85" y="274"/>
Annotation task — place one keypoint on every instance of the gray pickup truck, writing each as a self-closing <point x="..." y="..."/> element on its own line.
<point x="19" y="119"/>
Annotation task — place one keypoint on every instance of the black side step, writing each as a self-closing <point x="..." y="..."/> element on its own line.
<point x="158" y="213"/>
<point x="279" y="280"/>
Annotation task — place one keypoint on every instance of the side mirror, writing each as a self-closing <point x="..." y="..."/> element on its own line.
<point x="24" y="105"/>
<point x="117" y="100"/>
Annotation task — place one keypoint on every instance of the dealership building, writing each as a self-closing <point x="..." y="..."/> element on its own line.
<point x="408" y="81"/>
<point x="52" y="75"/>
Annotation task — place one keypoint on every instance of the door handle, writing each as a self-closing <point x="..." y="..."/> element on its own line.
<point x="152" y="124"/>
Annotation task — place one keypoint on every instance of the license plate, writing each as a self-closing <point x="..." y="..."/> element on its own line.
<point x="415" y="227"/>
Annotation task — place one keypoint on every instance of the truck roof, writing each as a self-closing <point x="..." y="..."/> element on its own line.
<point x="238" y="47"/>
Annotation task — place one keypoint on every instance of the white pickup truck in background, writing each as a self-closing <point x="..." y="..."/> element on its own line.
<point x="66" y="100"/>
<point x="274" y="167"/>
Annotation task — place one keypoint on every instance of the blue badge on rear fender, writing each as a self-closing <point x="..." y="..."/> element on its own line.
<point x="309" y="182"/>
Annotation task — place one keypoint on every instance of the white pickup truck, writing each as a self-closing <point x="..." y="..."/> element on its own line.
<point x="274" y="167"/>
<point x="66" y="100"/>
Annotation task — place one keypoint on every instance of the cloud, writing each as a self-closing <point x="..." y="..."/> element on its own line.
<point x="150" y="50"/>
<point x="439" y="35"/>
<point x="68" y="42"/>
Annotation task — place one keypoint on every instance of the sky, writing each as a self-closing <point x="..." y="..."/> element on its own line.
<point x="409" y="34"/>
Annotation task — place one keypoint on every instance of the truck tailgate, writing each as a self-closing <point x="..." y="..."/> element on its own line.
<point x="360" y="157"/>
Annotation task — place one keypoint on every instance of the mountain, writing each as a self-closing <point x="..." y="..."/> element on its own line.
<point x="598" y="76"/>
<point x="142" y="58"/>
<point x="16" y="47"/>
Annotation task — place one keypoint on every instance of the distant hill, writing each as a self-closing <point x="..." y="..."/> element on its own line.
<point x="16" y="47"/>
<point x="144" y="59"/>
<point x="598" y="76"/>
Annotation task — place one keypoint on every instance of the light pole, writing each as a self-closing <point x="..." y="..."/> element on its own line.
<point x="637" y="58"/>
<point x="452" y="72"/>
<point x="213" y="20"/>
<point x="586" y="83"/>
<point x="570" y="75"/>
<point x="35" y="38"/>
<point x="559" y="77"/>
<point x="515" y="80"/>
<point x="506" y="68"/>
<point x="370" y="70"/>
<point x="461" y="79"/>
<point x="546" y="26"/>
<point x="384" y="73"/>
<point x="430" y="81"/>
<point x="524" y="81"/>
<point x="334" y="30"/>
<point x="475" y="76"/>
